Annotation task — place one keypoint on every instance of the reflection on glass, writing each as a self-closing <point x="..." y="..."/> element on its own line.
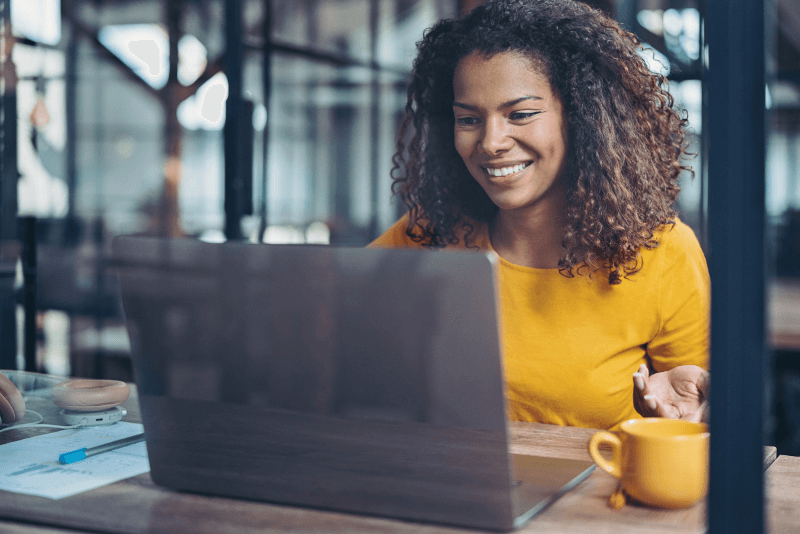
<point x="652" y="20"/>
<point x="192" y="59"/>
<point x="655" y="60"/>
<point x="340" y="26"/>
<point x="143" y="47"/>
<point x="38" y="20"/>
<point x="688" y="100"/>
<point x="688" y="96"/>
<point x="690" y="40"/>
<point x="679" y="28"/>
<point x="673" y="23"/>
<point x="41" y="131"/>
<point x="400" y="26"/>
<point x="119" y="147"/>
<point x="206" y="108"/>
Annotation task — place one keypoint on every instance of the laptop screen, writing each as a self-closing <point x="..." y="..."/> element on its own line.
<point x="355" y="379"/>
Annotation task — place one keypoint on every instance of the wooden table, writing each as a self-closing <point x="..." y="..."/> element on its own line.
<point x="136" y="505"/>
<point x="782" y="485"/>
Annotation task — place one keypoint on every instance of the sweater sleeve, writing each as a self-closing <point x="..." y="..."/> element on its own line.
<point x="685" y="296"/>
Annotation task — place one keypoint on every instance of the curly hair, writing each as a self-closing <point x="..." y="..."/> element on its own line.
<point x="626" y="140"/>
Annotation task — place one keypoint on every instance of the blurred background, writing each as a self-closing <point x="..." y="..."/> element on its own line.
<point x="275" y="121"/>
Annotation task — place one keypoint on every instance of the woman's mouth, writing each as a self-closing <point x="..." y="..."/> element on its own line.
<point x="499" y="172"/>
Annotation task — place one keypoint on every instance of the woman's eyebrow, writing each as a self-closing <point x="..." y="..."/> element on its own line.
<point x="504" y="105"/>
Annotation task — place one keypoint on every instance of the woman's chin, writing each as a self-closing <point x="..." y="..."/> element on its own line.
<point x="507" y="204"/>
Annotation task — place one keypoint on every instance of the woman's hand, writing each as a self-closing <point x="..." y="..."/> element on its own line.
<point x="681" y="393"/>
<point x="12" y="405"/>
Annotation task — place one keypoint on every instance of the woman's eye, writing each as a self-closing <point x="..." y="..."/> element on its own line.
<point x="466" y="121"/>
<point x="522" y="115"/>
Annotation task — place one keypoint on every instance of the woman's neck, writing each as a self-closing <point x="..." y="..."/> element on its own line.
<point x="531" y="238"/>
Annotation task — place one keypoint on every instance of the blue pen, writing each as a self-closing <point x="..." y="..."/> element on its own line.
<point x="80" y="454"/>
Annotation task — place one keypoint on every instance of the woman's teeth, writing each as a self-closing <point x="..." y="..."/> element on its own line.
<point x="505" y="171"/>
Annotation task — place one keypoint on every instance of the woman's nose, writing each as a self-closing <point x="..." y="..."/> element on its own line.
<point x="495" y="137"/>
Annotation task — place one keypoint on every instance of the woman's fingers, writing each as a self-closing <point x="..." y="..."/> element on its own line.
<point x="640" y="379"/>
<point x="640" y="390"/>
<point x="638" y="382"/>
<point x="12" y="405"/>
<point x="656" y="407"/>
<point x="680" y="393"/>
<point x="704" y="412"/>
<point x="648" y="405"/>
<point x="644" y="371"/>
<point x="700" y="415"/>
<point x="7" y="413"/>
<point x="704" y="383"/>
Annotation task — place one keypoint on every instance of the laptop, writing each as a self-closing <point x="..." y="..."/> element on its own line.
<point x="351" y="379"/>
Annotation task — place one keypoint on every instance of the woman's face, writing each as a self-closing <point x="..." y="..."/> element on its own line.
<point x="510" y="130"/>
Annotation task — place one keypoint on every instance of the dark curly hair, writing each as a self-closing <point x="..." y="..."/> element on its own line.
<point x="626" y="141"/>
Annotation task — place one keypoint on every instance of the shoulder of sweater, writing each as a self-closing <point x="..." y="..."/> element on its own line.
<point x="469" y="233"/>
<point x="679" y="250"/>
<point x="678" y="236"/>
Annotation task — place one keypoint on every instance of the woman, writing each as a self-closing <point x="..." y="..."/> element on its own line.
<point x="539" y="133"/>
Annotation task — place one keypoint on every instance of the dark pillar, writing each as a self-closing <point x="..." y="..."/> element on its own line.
<point x="71" y="97"/>
<point x="375" y="122"/>
<point x="734" y="97"/>
<point x="27" y="236"/>
<point x="9" y="175"/>
<point x="267" y="88"/>
<point x="234" y="121"/>
<point x="344" y="117"/>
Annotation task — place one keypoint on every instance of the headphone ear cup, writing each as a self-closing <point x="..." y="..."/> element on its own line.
<point x="84" y="395"/>
<point x="12" y="405"/>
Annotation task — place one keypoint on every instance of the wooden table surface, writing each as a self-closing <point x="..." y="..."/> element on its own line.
<point x="782" y="485"/>
<point x="137" y="505"/>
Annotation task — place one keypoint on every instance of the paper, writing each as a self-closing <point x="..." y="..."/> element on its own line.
<point x="31" y="465"/>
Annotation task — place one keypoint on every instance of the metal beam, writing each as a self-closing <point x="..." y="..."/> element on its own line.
<point x="180" y="92"/>
<point x="323" y="56"/>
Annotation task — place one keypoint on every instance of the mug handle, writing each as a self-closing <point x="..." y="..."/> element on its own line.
<point x="612" y="467"/>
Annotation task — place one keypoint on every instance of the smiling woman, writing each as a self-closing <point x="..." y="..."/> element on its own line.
<point x="538" y="132"/>
<point x="511" y="133"/>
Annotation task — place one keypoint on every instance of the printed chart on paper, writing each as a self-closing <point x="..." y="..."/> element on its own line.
<point x="31" y="465"/>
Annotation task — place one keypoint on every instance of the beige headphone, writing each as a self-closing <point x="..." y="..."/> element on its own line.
<point x="84" y="395"/>
<point x="80" y="394"/>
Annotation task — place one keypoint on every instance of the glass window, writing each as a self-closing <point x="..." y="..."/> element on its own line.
<point x="121" y="120"/>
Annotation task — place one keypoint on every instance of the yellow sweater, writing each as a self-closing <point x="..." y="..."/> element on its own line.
<point x="571" y="345"/>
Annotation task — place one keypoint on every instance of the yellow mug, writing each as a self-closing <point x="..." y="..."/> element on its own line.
<point x="661" y="462"/>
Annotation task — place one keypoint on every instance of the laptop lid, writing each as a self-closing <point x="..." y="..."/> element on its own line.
<point x="364" y="380"/>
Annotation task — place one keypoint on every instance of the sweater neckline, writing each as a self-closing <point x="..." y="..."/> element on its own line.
<point x="485" y="243"/>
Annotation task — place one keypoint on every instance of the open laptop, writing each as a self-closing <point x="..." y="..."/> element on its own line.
<point x="361" y="380"/>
